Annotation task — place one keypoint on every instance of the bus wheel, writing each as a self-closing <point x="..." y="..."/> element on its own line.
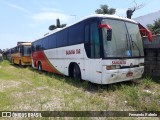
<point x="76" y="72"/>
<point x="39" y="66"/>
<point x="13" y="61"/>
<point x="20" y="63"/>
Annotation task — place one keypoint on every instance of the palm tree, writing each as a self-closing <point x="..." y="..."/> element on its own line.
<point x="104" y="9"/>
<point x="155" y="28"/>
<point x="58" y="25"/>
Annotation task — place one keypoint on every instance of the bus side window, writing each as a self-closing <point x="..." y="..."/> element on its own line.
<point x="94" y="37"/>
<point x="20" y="51"/>
<point x="33" y="47"/>
<point x="87" y="41"/>
<point x="92" y="44"/>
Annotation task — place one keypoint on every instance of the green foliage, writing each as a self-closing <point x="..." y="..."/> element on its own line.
<point x="131" y="95"/>
<point x="144" y="96"/>
<point x="104" y="9"/>
<point x="27" y="89"/>
<point x="4" y="63"/>
<point x="52" y="27"/>
<point x="58" y="25"/>
<point x="147" y="83"/>
<point x="155" y="28"/>
<point x="1" y="51"/>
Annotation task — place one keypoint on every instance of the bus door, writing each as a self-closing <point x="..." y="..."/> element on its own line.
<point x="93" y="62"/>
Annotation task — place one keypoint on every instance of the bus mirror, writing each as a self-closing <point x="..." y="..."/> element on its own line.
<point x="109" y="31"/>
<point x="109" y="35"/>
<point x="105" y="26"/>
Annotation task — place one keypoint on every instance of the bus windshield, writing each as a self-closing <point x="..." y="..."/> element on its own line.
<point x="26" y="50"/>
<point x="126" y="39"/>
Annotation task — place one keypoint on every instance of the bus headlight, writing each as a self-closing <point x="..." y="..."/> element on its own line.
<point x="141" y="64"/>
<point x="112" y="67"/>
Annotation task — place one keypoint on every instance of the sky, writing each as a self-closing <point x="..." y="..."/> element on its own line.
<point x="28" y="20"/>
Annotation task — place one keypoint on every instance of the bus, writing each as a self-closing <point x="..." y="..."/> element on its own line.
<point x="21" y="54"/>
<point x="1" y="55"/>
<point x="102" y="49"/>
<point x="7" y="54"/>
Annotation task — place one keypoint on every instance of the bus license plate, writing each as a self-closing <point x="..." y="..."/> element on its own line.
<point x="129" y="74"/>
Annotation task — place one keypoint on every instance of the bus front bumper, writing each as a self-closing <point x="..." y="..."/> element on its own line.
<point x="118" y="75"/>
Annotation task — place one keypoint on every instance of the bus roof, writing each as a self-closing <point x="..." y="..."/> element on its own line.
<point x="91" y="16"/>
<point x="27" y="43"/>
<point x="111" y="16"/>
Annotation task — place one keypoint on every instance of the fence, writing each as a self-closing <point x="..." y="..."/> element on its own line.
<point x="152" y="56"/>
<point x="1" y="57"/>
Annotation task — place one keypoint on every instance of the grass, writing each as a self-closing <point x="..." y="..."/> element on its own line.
<point x="26" y="89"/>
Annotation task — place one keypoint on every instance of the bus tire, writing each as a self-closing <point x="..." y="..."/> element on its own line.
<point x="20" y="63"/>
<point x="39" y="66"/>
<point x="13" y="61"/>
<point x="76" y="73"/>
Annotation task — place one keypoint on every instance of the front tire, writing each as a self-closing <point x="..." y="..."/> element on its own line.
<point x="76" y="72"/>
<point x="39" y="66"/>
<point x="20" y="63"/>
<point x="13" y="61"/>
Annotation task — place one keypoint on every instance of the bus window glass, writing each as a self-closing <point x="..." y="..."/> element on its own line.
<point x="118" y="46"/>
<point x="94" y="39"/>
<point x="62" y="38"/>
<point x="87" y="34"/>
<point x="26" y="50"/>
<point x="52" y="41"/>
<point x="87" y="41"/>
<point x="76" y="34"/>
<point x="45" y="43"/>
<point x="33" y="47"/>
<point x="126" y="40"/>
<point x="135" y="37"/>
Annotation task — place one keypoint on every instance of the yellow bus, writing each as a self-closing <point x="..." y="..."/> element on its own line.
<point x="21" y="54"/>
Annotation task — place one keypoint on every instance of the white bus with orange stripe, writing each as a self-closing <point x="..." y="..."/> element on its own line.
<point x="102" y="49"/>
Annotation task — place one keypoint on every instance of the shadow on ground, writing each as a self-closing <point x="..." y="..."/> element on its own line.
<point x="88" y="86"/>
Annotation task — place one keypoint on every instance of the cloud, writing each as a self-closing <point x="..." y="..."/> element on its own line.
<point x="10" y="40"/>
<point x="50" y="16"/>
<point x="16" y="7"/>
<point x="46" y="5"/>
<point x="50" y="9"/>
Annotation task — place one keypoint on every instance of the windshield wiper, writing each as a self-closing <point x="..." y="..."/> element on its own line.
<point x="135" y="45"/>
<point x="129" y="49"/>
<point x="127" y="41"/>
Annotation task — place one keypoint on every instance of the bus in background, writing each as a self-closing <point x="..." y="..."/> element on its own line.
<point x="21" y="54"/>
<point x="1" y="55"/>
<point x="102" y="49"/>
<point x="7" y="55"/>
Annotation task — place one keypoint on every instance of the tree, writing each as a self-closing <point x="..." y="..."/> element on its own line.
<point x="1" y="51"/>
<point x="52" y="27"/>
<point x="104" y="9"/>
<point x="130" y="11"/>
<point x="58" y="25"/>
<point x="155" y="28"/>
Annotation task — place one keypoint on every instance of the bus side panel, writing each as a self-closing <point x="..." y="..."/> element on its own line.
<point x="26" y="60"/>
<point x="46" y="65"/>
<point x="62" y="57"/>
<point x="93" y="70"/>
<point x="15" y="57"/>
